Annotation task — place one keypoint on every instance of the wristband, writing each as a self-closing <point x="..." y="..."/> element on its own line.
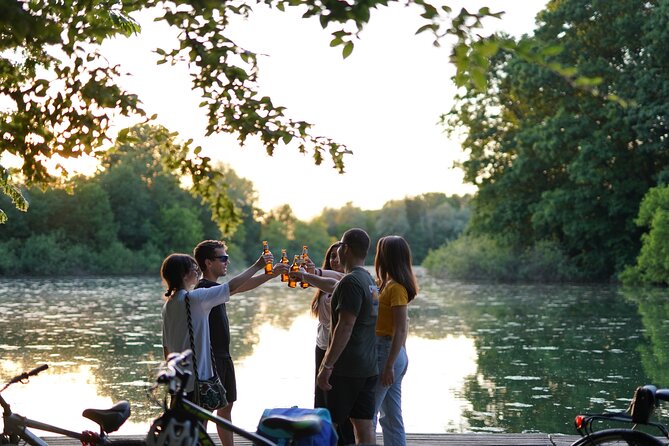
<point x="320" y="272"/>
<point x="327" y="367"/>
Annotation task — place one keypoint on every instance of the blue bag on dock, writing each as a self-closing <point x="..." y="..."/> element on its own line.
<point x="326" y="437"/>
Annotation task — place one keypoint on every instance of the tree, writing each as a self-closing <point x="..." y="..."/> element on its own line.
<point x="62" y="93"/>
<point x="140" y="180"/>
<point x="652" y="264"/>
<point x="553" y="162"/>
<point x="427" y="221"/>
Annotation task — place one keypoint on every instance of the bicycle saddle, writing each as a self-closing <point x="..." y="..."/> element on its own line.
<point x="299" y="427"/>
<point x="109" y="419"/>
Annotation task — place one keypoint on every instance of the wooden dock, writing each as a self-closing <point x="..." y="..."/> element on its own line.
<point x="469" y="439"/>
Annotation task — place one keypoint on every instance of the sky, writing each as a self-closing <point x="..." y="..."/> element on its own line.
<point x="383" y="102"/>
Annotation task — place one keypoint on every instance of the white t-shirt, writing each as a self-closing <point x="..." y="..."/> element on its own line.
<point x="323" y="330"/>
<point x="175" y="325"/>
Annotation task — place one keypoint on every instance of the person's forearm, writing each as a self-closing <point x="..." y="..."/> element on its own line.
<point x="340" y="337"/>
<point x="237" y="281"/>
<point x="254" y="282"/>
<point x="326" y="284"/>
<point x="400" y="329"/>
<point x="399" y="337"/>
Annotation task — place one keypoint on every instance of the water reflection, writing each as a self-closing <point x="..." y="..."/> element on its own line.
<point x="481" y="357"/>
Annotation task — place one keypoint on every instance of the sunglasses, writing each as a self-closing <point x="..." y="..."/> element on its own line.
<point x="224" y="258"/>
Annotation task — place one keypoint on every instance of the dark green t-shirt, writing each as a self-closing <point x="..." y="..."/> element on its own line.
<point x="357" y="293"/>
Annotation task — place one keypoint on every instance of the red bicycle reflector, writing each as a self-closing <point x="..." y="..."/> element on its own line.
<point x="578" y="421"/>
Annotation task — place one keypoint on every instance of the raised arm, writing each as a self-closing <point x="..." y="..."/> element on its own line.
<point x="257" y="280"/>
<point x="236" y="282"/>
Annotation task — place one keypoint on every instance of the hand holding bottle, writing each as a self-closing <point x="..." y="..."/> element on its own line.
<point x="309" y="265"/>
<point x="281" y="268"/>
<point x="264" y="259"/>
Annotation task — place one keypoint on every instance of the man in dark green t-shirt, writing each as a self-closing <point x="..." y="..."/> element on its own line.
<point x="349" y="369"/>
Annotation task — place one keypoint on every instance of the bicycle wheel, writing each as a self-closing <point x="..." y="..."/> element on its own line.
<point x="618" y="437"/>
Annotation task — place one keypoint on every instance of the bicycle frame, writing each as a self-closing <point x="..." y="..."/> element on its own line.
<point x="584" y="422"/>
<point x="18" y="426"/>
<point x="176" y="378"/>
<point x="196" y="412"/>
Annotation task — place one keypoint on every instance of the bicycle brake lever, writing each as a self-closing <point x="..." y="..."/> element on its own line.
<point x="26" y="375"/>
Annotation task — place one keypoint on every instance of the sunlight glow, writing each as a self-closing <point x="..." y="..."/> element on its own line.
<point x="60" y="398"/>
<point x="431" y="392"/>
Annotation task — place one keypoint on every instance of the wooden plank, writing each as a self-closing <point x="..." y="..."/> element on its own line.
<point x="448" y="439"/>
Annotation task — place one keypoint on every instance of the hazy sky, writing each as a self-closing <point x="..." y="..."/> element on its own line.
<point x="383" y="102"/>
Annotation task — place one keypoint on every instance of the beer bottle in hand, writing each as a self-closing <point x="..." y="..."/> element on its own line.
<point x="284" y="259"/>
<point x="268" y="264"/>
<point x="304" y="258"/>
<point x="292" y="283"/>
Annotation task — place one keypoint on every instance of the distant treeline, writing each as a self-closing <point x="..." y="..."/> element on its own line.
<point x="132" y="213"/>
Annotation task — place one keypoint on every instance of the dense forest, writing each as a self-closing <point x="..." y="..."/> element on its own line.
<point x="572" y="177"/>
<point x="135" y="210"/>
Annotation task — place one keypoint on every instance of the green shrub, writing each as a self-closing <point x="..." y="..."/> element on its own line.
<point x="485" y="258"/>
<point x="42" y="253"/>
<point x="9" y="259"/>
<point x="652" y="265"/>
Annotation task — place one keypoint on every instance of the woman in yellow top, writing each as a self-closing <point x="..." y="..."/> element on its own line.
<point x="397" y="287"/>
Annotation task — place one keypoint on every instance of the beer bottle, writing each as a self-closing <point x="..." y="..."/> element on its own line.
<point x="292" y="283"/>
<point x="284" y="259"/>
<point x="304" y="257"/>
<point x="268" y="264"/>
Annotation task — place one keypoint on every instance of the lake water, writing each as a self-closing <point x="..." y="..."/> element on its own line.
<point x="482" y="357"/>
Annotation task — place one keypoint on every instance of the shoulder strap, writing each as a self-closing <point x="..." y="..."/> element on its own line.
<point x="190" y="333"/>
<point x="192" y="341"/>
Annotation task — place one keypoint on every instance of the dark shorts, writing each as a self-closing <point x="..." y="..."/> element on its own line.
<point x="351" y="398"/>
<point x="319" y="394"/>
<point x="226" y="371"/>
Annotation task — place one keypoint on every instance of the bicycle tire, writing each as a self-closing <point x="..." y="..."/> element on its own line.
<point x="618" y="437"/>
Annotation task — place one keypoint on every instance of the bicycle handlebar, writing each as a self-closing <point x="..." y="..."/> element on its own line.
<point x="26" y="375"/>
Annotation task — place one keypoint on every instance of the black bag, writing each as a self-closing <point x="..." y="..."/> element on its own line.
<point x="643" y="404"/>
<point x="209" y="393"/>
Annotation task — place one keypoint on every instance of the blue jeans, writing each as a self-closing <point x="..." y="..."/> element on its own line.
<point x="389" y="399"/>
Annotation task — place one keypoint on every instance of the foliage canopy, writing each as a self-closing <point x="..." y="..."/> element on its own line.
<point x="557" y="164"/>
<point x="60" y="95"/>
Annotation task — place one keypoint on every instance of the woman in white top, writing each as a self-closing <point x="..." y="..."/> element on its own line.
<point x="329" y="276"/>
<point x="180" y="274"/>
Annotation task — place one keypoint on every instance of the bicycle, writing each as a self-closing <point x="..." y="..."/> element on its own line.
<point x="17" y="428"/>
<point x="645" y="400"/>
<point x="182" y="423"/>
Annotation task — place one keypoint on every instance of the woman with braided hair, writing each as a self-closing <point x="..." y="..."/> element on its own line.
<point x="180" y="273"/>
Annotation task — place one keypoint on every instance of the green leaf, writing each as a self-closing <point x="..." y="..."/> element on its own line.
<point x="585" y="81"/>
<point x="552" y="50"/>
<point x="348" y="49"/>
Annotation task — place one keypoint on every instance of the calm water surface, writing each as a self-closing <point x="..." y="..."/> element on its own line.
<point x="482" y="357"/>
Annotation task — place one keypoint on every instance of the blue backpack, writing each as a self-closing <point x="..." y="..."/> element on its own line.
<point x="272" y="428"/>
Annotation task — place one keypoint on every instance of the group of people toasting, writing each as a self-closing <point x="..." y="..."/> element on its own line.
<point x="362" y="326"/>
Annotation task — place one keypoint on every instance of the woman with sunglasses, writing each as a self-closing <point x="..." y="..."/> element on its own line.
<point x="397" y="287"/>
